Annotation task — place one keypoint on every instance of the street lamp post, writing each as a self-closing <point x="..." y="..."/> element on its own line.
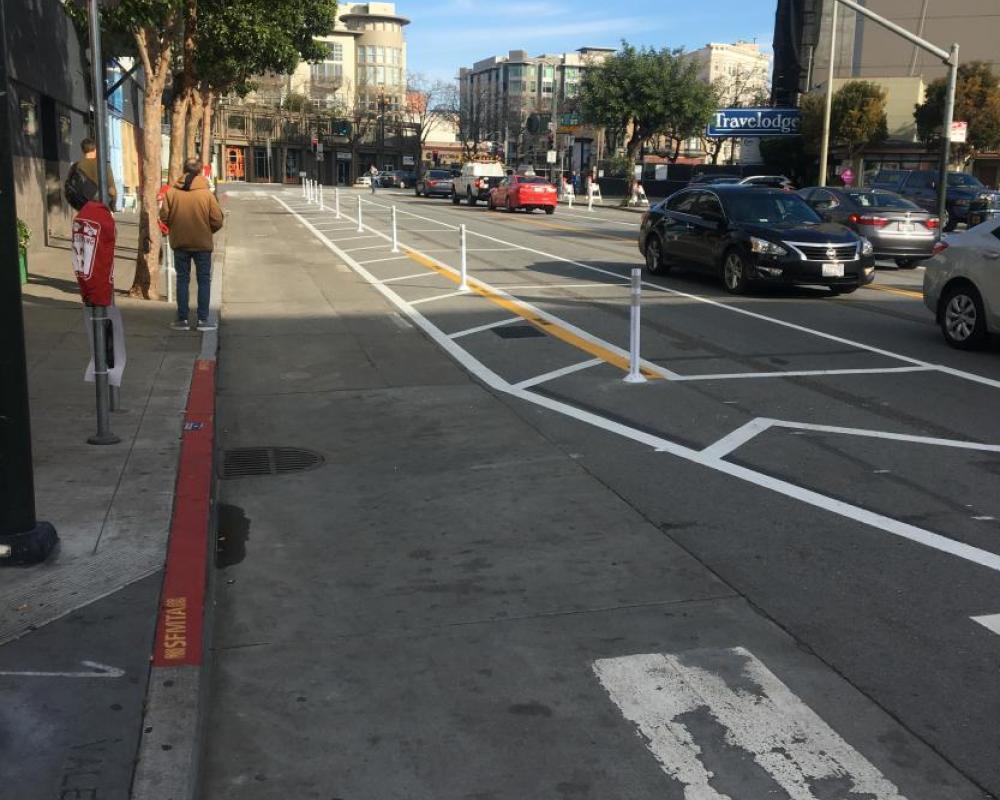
<point x="23" y="538"/>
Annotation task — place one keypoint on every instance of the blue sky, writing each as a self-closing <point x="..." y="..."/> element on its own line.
<point x="447" y="34"/>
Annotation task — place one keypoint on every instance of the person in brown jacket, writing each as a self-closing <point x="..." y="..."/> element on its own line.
<point x="192" y="213"/>
<point x="87" y="165"/>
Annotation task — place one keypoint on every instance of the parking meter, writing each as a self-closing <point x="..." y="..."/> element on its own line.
<point x="94" y="253"/>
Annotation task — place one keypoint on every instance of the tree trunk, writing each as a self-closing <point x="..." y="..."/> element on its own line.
<point x="178" y="123"/>
<point x="207" y="110"/>
<point x="147" y="261"/>
<point x="193" y="123"/>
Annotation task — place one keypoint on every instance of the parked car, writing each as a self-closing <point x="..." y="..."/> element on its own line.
<point x="713" y="180"/>
<point x="921" y="186"/>
<point x="397" y="178"/>
<point x="962" y="286"/>
<point x="985" y="207"/>
<point x="523" y="191"/>
<point x="745" y="235"/>
<point x="476" y="181"/>
<point x="769" y="181"/>
<point x="362" y="181"/>
<point x="896" y="227"/>
<point x="433" y="182"/>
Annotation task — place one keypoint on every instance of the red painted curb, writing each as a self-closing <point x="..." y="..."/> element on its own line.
<point x="180" y="623"/>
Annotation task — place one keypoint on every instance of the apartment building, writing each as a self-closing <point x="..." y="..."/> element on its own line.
<point x="503" y="99"/>
<point x="361" y="83"/>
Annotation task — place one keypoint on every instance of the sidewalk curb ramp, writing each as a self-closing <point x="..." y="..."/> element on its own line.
<point x="167" y="762"/>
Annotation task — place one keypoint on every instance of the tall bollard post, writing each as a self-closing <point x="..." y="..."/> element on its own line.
<point x="321" y="198"/>
<point x="395" y="238"/>
<point x="336" y="201"/>
<point x="569" y="199"/>
<point x="361" y="227"/>
<point x="590" y="201"/>
<point x="98" y="316"/>
<point x="304" y="182"/>
<point x="463" y="285"/>
<point x="634" y="373"/>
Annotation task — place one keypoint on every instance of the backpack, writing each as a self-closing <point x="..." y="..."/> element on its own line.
<point x="79" y="189"/>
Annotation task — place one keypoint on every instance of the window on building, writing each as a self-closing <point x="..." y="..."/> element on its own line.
<point x="335" y="52"/>
<point x="380" y="74"/>
<point x="380" y="55"/>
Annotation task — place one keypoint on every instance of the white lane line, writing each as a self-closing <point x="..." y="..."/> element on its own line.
<point x="490" y="249"/>
<point x="672" y="699"/>
<point x="588" y="218"/>
<point x="990" y="622"/>
<point x="423" y="274"/>
<point x="369" y="247"/>
<point x="803" y="373"/>
<point x="558" y="373"/>
<point x="354" y="238"/>
<point x="425" y="230"/>
<point x="380" y="260"/>
<point x="755" y="427"/>
<point x="481" y="328"/>
<point x="438" y="297"/>
<point x="831" y="505"/>
<point x="94" y="670"/>
<point x="592" y="285"/>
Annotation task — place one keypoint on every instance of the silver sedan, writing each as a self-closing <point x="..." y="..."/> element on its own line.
<point x="962" y="285"/>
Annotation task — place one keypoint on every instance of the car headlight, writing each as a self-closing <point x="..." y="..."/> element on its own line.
<point x="764" y="247"/>
<point x="866" y="247"/>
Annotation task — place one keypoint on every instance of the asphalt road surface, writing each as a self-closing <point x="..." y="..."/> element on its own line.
<point x="820" y="474"/>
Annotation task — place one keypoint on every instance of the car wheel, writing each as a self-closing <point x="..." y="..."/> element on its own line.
<point x="454" y="198"/>
<point x="948" y="224"/>
<point x="734" y="272"/>
<point x="963" y="320"/>
<point x="470" y="198"/>
<point x="490" y="204"/>
<point x="416" y="191"/>
<point x="907" y="263"/>
<point x="550" y="209"/>
<point x="655" y="265"/>
<point x="510" y="206"/>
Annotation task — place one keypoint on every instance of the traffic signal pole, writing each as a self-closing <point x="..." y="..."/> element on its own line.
<point x="23" y="538"/>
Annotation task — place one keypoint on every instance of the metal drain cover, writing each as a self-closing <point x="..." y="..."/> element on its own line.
<point x="517" y="332"/>
<point x="242" y="462"/>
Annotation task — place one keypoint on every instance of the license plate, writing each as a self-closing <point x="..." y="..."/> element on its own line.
<point x="906" y="227"/>
<point x="835" y="270"/>
<point x="538" y="189"/>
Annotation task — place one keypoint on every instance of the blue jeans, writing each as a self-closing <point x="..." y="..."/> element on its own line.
<point x="203" y="267"/>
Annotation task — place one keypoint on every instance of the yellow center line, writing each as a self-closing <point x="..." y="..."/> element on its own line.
<point x="547" y="326"/>
<point x="878" y="287"/>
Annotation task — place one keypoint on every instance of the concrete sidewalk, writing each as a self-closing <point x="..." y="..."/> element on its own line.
<point x="94" y="601"/>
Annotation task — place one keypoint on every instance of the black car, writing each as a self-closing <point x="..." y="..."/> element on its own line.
<point x="746" y="235"/>
<point x="713" y="180"/>
<point x="920" y="186"/>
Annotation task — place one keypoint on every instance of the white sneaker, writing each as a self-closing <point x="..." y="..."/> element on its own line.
<point x="205" y="325"/>
<point x="180" y="325"/>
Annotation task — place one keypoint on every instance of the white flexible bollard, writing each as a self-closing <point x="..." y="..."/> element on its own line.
<point x="321" y="198"/>
<point x="395" y="238"/>
<point x="336" y="201"/>
<point x="569" y="199"/>
<point x="303" y="188"/>
<point x="463" y="285"/>
<point x="634" y="373"/>
<point x="361" y="227"/>
<point x="590" y="201"/>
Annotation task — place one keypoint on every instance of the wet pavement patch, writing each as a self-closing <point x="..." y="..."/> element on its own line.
<point x="234" y="532"/>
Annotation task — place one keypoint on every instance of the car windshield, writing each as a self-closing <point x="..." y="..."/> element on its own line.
<point x="533" y="179"/>
<point x="769" y="208"/>
<point x="439" y="174"/>
<point x="961" y="179"/>
<point x="881" y="200"/>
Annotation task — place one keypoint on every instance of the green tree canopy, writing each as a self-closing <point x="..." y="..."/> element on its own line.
<point x="977" y="102"/>
<point x="857" y="118"/>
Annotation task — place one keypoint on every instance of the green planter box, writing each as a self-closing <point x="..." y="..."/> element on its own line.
<point x="22" y="262"/>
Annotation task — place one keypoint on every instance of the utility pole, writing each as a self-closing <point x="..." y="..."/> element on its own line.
<point x="824" y="147"/>
<point x="23" y="538"/>
<point x="553" y="174"/>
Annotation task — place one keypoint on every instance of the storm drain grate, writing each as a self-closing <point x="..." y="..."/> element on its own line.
<point x="517" y="332"/>
<point x="242" y="462"/>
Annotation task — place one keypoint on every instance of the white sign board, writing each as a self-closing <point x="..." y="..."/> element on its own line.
<point x="959" y="132"/>
<point x="408" y="161"/>
<point x="343" y="155"/>
<point x="319" y="148"/>
<point x="660" y="172"/>
<point x="750" y="151"/>
<point x="550" y="157"/>
<point x="117" y="337"/>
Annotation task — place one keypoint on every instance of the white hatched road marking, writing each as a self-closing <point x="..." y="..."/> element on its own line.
<point x="380" y="260"/>
<point x="423" y="274"/>
<point x="558" y="373"/>
<point x="481" y="328"/>
<point x="990" y="622"/>
<point x="858" y="514"/>
<point x="437" y="297"/>
<point x="664" y="695"/>
<point x="94" y="670"/>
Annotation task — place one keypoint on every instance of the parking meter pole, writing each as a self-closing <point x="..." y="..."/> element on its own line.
<point x="395" y="238"/>
<point x="463" y="285"/>
<point x="634" y="373"/>
<point x="98" y="316"/>
<point x="949" y="115"/>
<point x="361" y="227"/>
<point x="23" y="538"/>
<point x="336" y="201"/>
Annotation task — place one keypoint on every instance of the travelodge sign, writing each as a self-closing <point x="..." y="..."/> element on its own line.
<point x="754" y="122"/>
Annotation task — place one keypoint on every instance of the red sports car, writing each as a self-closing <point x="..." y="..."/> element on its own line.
<point x="524" y="191"/>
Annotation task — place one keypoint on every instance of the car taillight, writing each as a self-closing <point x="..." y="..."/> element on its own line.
<point x="875" y="222"/>
<point x="932" y="224"/>
<point x="432" y="183"/>
<point x="940" y="247"/>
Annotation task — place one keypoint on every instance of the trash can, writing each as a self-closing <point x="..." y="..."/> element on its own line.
<point x="22" y="262"/>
